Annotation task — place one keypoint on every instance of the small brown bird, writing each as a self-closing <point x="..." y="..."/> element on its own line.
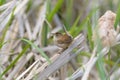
<point x="62" y="40"/>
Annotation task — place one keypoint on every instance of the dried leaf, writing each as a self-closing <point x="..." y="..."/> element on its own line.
<point x="105" y="29"/>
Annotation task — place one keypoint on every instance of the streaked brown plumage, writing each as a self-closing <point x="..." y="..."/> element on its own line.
<point x="62" y="40"/>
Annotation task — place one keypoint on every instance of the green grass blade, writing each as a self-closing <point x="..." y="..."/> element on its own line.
<point x="81" y="26"/>
<point x="2" y="2"/>
<point x="7" y="27"/>
<point x="29" y="5"/>
<point x="57" y="7"/>
<point x="89" y="30"/>
<point x="48" y="7"/>
<point x="40" y="50"/>
<point x="68" y="16"/>
<point x="44" y="37"/>
<point x="15" y="61"/>
<point x="76" y="22"/>
<point x="117" y="20"/>
<point x="73" y="28"/>
<point x="100" y="62"/>
<point x="101" y="69"/>
<point x="46" y="27"/>
<point x="88" y="16"/>
<point x="1" y="44"/>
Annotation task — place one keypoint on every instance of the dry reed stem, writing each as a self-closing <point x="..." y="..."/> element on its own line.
<point x="65" y="57"/>
<point x="86" y="68"/>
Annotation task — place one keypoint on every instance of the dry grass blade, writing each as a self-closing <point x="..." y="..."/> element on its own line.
<point x="40" y="69"/>
<point x="28" y="27"/>
<point x="40" y="21"/>
<point x="5" y="16"/>
<point x="6" y="5"/>
<point x="8" y="10"/>
<point x="35" y="69"/>
<point x="85" y="69"/>
<point x="19" y="66"/>
<point x="19" y="77"/>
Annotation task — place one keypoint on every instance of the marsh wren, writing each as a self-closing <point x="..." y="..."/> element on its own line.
<point x="62" y="40"/>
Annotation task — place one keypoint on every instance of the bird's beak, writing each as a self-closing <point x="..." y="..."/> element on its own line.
<point x="50" y="35"/>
